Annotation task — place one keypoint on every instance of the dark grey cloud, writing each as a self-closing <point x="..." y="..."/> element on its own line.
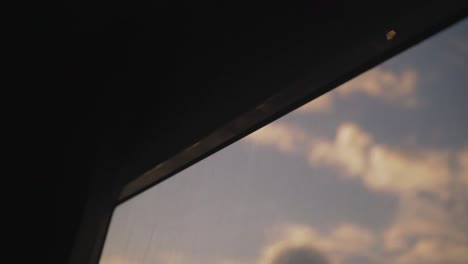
<point x="300" y="255"/>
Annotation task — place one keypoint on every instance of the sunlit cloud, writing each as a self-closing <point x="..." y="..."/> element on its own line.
<point x="463" y="168"/>
<point x="388" y="86"/>
<point x="300" y="255"/>
<point x="348" y="151"/>
<point x="422" y="179"/>
<point x="283" y="137"/>
<point x="300" y="242"/>
<point x="421" y="233"/>
<point x="380" y="167"/>
<point x="433" y="251"/>
<point x="298" y="237"/>
<point x="422" y="170"/>
<point x="350" y="239"/>
<point x="410" y="174"/>
<point x="359" y="156"/>
<point x="396" y="88"/>
<point x="418" y="218"/>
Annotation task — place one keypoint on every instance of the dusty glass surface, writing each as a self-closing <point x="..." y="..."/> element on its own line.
<point x="374" y="172"/>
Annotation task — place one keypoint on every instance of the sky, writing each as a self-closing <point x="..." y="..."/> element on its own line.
<point x="376" y="171"/>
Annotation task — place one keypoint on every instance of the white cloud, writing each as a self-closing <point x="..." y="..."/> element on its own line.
<point x="380" y="167"/>
<point x="348" y="151"/>
<point x="283" y="137"/>
<point x="358" y="156"/>
<point x="394" y="171"/>
<point x="397" y="88"/>
<point x="388" y="86"/>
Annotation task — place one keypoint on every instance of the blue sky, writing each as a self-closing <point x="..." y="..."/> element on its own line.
<point x="375" y="171"/>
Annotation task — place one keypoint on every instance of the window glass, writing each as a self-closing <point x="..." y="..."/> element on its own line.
<point x="375" y="171"/>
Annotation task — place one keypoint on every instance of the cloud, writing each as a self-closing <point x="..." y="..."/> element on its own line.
<point x="292" y="237"/>
<point x="396" y="88"/>
<point x="359" y="156"/>
<point x="388" y="86"/>
<point x="380" y="167"/>
<point x="351" y="239"/>
<point x="300" y="255"/>
<point x="433" y="251"/>
<point x="419" y="217"/>
<point x="283" y="137"/>
<point x="300" y="242"/>
<point x="348" y="151"/>
<point x="430" y="185"/>
<point x="422" y="170"/>
<point x="462" y="160"/>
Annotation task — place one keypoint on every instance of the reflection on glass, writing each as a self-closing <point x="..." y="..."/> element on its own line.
<point x="374" y="172"/>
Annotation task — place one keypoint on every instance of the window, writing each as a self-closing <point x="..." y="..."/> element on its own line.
<point x="375" y="171"/>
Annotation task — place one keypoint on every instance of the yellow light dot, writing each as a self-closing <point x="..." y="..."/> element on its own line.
<point x="391" y="34"/>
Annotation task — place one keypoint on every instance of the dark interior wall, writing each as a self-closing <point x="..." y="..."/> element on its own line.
<point x="147" y="79"/>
